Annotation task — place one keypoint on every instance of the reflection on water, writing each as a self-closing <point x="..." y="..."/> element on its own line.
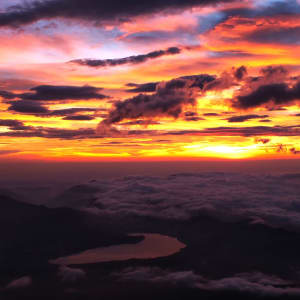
<point x="153" y="246"/>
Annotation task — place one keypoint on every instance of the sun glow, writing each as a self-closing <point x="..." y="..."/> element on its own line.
<point x="224" y="151"/>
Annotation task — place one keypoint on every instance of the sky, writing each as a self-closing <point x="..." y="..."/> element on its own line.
<point x="149" y="80"/>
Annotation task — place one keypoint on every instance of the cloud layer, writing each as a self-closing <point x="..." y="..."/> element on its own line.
<point x="253" y="284"/>
<point x="267" y="199"/>
<point x="91" y="10"/>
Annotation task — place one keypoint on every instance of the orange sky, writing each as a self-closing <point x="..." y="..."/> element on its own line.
<point x="243" y="103"/>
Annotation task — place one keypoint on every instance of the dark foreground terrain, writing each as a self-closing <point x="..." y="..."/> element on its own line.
<point x="223" y="258"/>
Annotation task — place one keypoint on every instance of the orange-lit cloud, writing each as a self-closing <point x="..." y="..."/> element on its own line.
<point x="232" y="90"/>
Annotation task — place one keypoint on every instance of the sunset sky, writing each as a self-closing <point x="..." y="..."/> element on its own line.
<point x="101" y="80"/>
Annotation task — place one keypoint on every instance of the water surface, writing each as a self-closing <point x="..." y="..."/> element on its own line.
<point x="153" y="246"/>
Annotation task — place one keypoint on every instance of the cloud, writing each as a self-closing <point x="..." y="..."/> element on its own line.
<point x="22" y="282"/>
<point x="13" y="124"/>
<point x="240" y="73"/>
<point x="142" y="88"/>
<point x="263" y="141"/>
<point x="274" y="72"/>
<point x="58" y="93"/>
<point x="6" y="152"/>
<point x="141" y="122"/>
<point x="276" y="93"/>
<point x="91" y="10"/>
<point x="28" y="107"/>
<point x="194" y="119"/>
<point x="238" y="119"/>
<point x="241" y="131"/>
<point x="71" y="111"/>
<point x="136" y="59"/>
<point x="229" y="196"/>
<point x="294" y="151"/>
<point x="168" y="101"/>
<point x="79" y="118"/>
<point x="71" y="275"/>
<point x="33" y="102"/>
<point x="272" y="88"/>
<point x="263" y="9"/>
<point x="255" y="283"/>
<point x="199" y="80"/>
<point x="224" y="81"/>
<point x="157" y="275"/>
<point x="7" y="95"/>
<point x="211" y="115"/>
<point x="52" y="133"/>
<point x="38" y="109"/>
<point x="105" y="130"/>
<point x="289" y="36"/>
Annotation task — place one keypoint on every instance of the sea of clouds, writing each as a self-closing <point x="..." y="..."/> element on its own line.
<point x="268" y="199"/>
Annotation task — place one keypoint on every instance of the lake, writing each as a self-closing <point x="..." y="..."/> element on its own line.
<point x="152" y="246"/>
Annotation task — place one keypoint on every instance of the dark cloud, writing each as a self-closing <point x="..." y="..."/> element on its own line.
<point x="229" y="53"/>
<point x="294" y="151"/>
<point x="13" y="124"/>
<point x="71" y="111"/>
<point x="268" y="9"/>
<point x="79" y="118"/>
<point x="190" y="114"/>
<point x="274" y="71"/>
<point x="199" y="80"/>
<point x="58" y="93"/>
<point x="28" y="107"/>
<point x="237" y="119"/>
<point x="36" y="108"/>
<point x="7" y="95"/>
<point x="289" y="36"/>
<point x="141" y="122"/>
<point x="136" y="59"/>
<point x="104" y="130"/>
<point x="211" y="115"/>
<point x="168" y="101"/>
<point x="91" y="10"/>
<point x="194" y="119"/>
<point x="265" y="121"/>
<point x="242" y="131"/>
<point x="272" y="89"/>
<point x="240" y="73"/>
<point x="142" y="88"/>
<point x="263" y="141"/>
<point x="277" y="109"/>
<point x="224" y="81"/>
<point x="277" y="93"/>
<point x="53" y="133"/>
